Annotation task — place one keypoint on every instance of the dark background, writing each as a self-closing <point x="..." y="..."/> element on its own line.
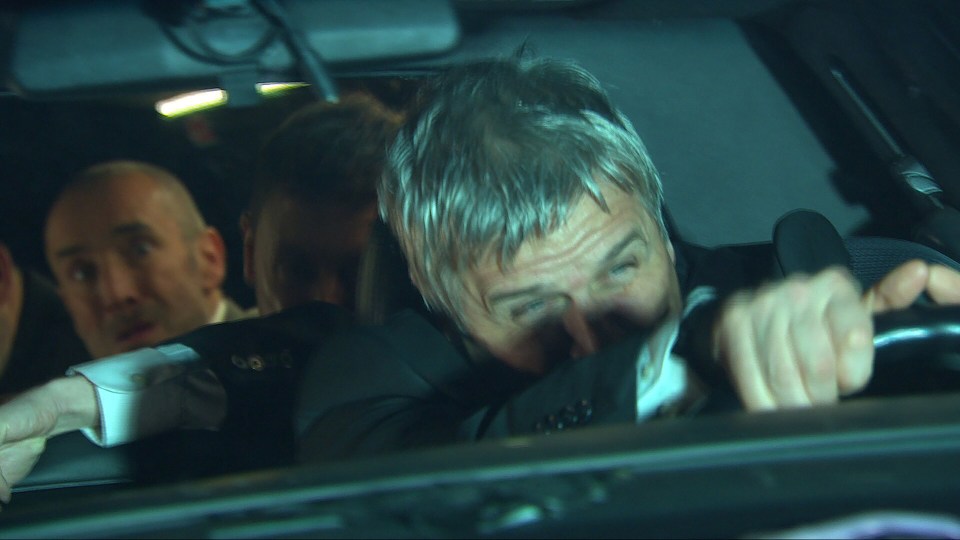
<point x="44" y="143"/>
<point x="736" y="102"/>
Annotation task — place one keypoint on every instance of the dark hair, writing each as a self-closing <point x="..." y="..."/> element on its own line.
<point x="327" y="152"/>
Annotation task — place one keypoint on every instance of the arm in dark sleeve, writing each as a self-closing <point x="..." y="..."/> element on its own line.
<point x="598" y="389"/>
<point x="238" y="378"/>
<point x="404" y="385"/>
<point x="259" y="362"/>
<point x="379" y="388"/>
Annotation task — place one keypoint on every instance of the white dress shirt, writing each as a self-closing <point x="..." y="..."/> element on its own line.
<point x="152" y="390"/>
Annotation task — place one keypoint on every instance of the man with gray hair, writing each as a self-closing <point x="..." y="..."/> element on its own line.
<point x="526" y="202"/>
<point x="531" y="217"/>
<point x="504" y="159"/>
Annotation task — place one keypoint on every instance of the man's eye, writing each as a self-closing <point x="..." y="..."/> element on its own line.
<point x="623" y="270"/>
<point x="536" y="310"/>
<point x="526" y="309"/>
<point x="82" y="272"/>
<point x="141" y="248"/>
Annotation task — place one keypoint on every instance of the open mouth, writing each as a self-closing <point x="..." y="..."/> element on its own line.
<point x="136" y="333"/>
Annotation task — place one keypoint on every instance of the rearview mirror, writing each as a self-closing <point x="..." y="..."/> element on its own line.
<point x="76" y="49"/>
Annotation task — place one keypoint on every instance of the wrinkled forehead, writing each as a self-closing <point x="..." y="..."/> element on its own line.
<point x="610" y="211"/>
<point x="133" y="193"/>
<point x="108" y="210"/>
<point x="560" y="222"/>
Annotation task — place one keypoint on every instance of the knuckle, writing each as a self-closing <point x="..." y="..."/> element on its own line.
<point x="780" y="379"/>
<point x="837" y="278"/>
<point x="735" y="317"/>
<point x="735" y="314"/>
<point x="822" y="368"/>
<point x="797" y="292"/>
<point x="767" y="300"/>
<point x="856" y="376"/>
<point x="789" y="294"/>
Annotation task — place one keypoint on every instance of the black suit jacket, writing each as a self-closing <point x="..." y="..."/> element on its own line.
<point x="404" y="384"/>
<point x="259" y="362"/>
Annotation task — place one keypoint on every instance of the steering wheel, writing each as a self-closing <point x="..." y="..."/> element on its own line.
<point x="920" y="329"/>
<point x="917" y="349"/>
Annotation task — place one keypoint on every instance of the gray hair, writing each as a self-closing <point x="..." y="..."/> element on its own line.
<point x="498" y="152"/>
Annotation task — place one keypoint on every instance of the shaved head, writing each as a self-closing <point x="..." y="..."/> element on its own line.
<point x="134" y="261"/>
<point x="184" y="208"/>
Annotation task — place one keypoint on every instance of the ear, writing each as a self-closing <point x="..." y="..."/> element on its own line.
<point x="213" y="258"/>
<point x="247" y="231"/>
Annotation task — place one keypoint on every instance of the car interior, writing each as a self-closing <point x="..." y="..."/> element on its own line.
<point x="751" y="109"/>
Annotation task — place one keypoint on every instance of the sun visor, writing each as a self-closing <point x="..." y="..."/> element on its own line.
<point x="76" y="49"/>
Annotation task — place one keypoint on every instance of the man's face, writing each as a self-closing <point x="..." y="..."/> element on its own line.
<point x="302" y="251"/>
<point x="586" y="284"/>
<point x="126" y="273"/>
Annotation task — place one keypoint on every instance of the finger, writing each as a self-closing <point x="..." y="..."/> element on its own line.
<point x="782" y="370"/>
<point x="5" y="488"/>
<point x="814" y="351"/>
<point x="735" y="346"/>
<point x="943" y="285"/>
<point x="850" y="323"/>
<point x="899" y="288"/>
<point x="835" y="309"/>
<point x="16" y="462"/>
<point x="749" y="380"/>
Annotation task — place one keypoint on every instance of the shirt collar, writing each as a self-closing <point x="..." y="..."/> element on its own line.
<point x="220" y="314"/>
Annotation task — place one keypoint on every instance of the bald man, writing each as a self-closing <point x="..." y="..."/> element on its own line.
<point x="134" y="261"/>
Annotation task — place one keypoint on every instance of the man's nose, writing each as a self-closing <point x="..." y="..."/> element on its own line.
<point x="577" y="324"/>
<point x="594" y="325"/>
<point x="117" y="285"/>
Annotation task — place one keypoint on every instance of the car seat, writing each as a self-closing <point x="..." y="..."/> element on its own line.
<point x="873" y="257"/>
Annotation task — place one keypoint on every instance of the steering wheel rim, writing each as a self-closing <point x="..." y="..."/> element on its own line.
<point x="916" y="350"/>
<point x="931" y="331"/>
